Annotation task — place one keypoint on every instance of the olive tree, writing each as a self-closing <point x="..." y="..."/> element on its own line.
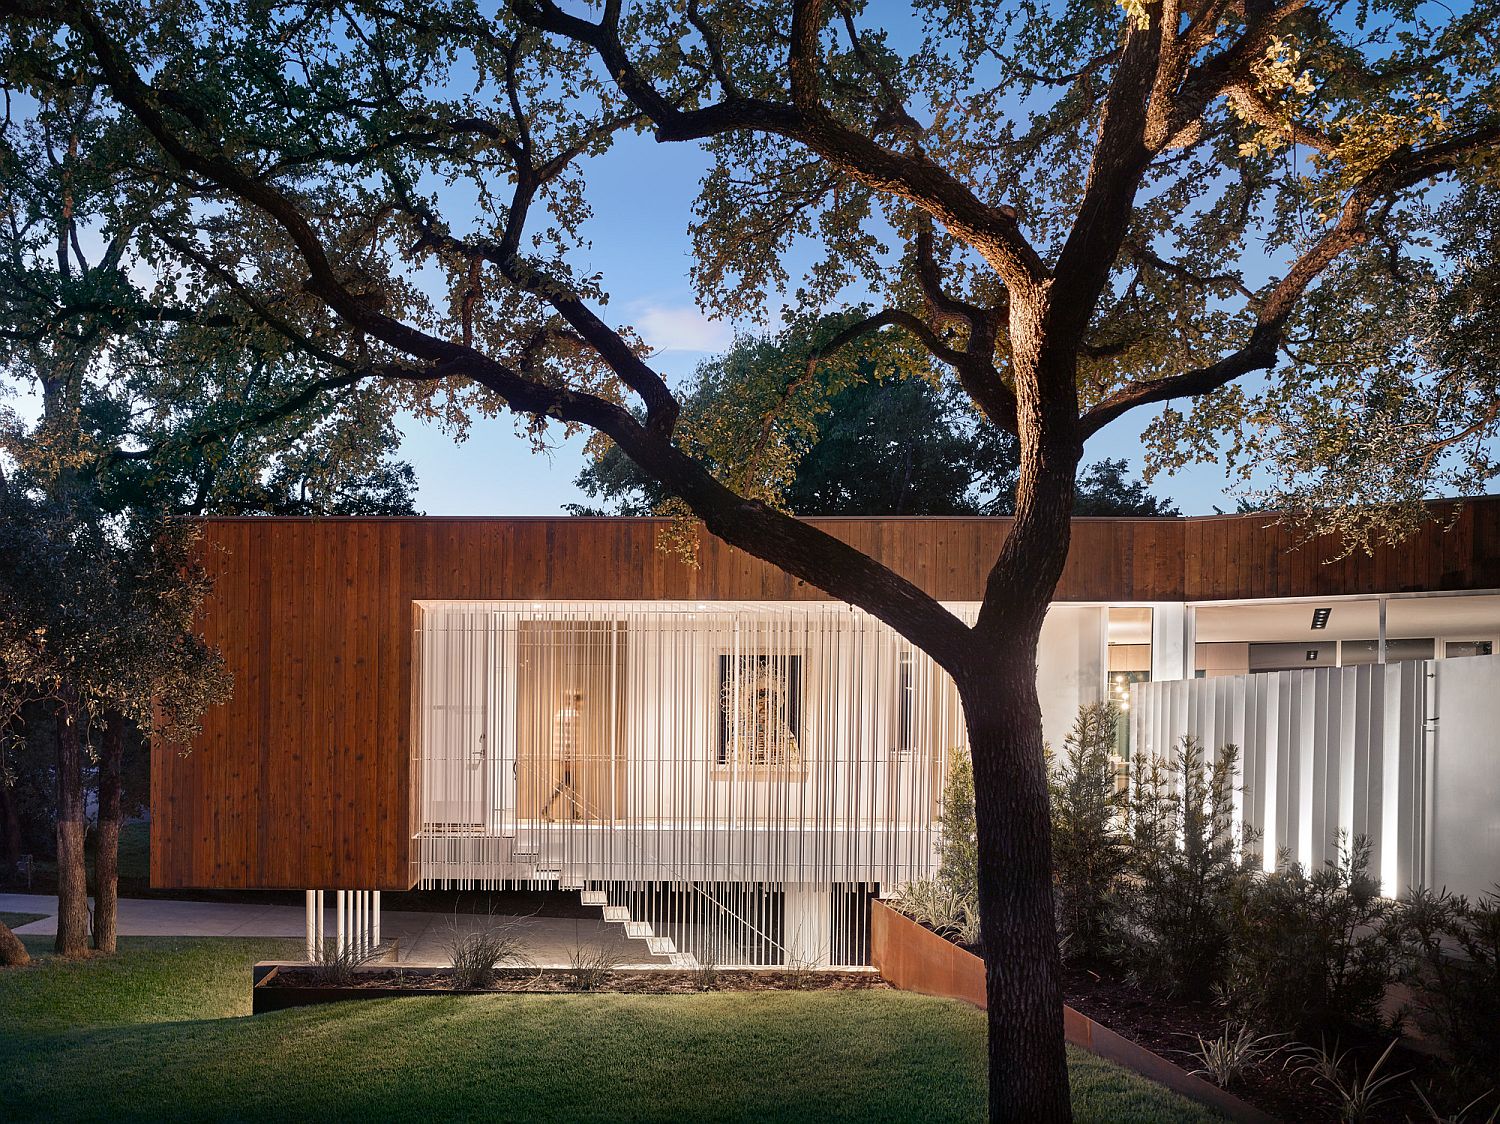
<point x="1079" y="209"/>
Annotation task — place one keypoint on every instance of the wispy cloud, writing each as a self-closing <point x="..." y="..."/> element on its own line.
<point x="680" y="328"/>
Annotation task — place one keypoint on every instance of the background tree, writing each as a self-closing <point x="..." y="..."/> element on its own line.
<point x="155" y="399"/>
<point x="870" y="429"/>
<point x="101" y="626"/>
<point x="1054" y="201"/>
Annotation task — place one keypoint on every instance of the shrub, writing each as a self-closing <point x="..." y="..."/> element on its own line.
<point x="476" y="952"/>
<point x="799" y="973"/>
<point x="958" y="846"/>
<point x="334" y="966"/>
<point x="1224" y="1060"/>
<point x="1088" y="843"/>
<point x="1314" y="953"/>
<point x="1183" y="867"/>
<point x="949" y="903"/>
<point x="1452" y="964"/>
<point x="706" y="971"/>
<point x="1358" y="1094"/>
<point x="590" y="966"/>
<point x="932" y="903"/>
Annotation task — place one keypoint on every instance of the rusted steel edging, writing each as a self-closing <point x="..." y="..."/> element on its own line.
<point x="912" y="957"/>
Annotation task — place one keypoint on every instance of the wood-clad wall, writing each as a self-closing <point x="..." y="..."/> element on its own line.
<point x="301" y="780"/>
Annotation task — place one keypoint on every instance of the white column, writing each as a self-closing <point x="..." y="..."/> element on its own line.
<point x="375" y="919"/>
<point x="1093" y="655"/>
<point x="312" y="925"/>
<point x="807" y="925"/>
<point x="339" y="921"/>
<point x="1173" y="641"/>
<point x="1380" y="640"/>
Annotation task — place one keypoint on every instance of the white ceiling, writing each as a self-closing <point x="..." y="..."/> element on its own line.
<point x="1473" y="617"/>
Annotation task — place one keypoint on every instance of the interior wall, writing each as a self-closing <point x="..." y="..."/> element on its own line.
<point x="1071" y="663"/>
<point x="1223" y="658"/>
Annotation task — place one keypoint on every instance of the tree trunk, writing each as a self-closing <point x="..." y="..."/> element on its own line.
<point x="997" y="684"/>
<point x="10" y="821"/>
<point x="13" y="953"/>
<point x="107" y="840"/>
<point x="72" y="869"/>
<point x="1027" y="1059"/>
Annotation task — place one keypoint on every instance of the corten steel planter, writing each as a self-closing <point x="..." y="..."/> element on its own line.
<point x="914" y="958"/>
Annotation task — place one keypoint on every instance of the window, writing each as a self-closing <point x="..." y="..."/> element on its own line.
<point x="760" y="710"/>
<point x="906" y="705"/>
<point x="1120" y="685"/>
<point x="1354" y="652"/>
<point x="1469" y="648"/>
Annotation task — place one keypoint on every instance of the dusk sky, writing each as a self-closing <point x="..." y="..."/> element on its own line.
<point x="642" y="194"/>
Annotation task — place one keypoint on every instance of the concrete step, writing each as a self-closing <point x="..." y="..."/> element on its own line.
<point x="661" y="946"/>
<point x="639" y="930"/>
<point x="594" y="897"/>
<point x="684" y="960"/>
<point x="616" y="913"/>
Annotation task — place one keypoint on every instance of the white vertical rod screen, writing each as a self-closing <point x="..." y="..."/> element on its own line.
<point x="690" y="760"/>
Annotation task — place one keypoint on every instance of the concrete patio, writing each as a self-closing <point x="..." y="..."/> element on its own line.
<point x="420" y="939"/>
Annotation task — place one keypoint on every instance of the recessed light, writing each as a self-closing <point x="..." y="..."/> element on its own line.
<point x="1320" y="617"/>
<point x="1312" y="655"/>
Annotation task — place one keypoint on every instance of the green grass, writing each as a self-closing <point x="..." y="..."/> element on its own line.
<point x="163" y="1030"/>
<point x="11" y="920"/>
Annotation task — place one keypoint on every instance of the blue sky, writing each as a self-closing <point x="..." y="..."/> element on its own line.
<point x="642" y="195"/>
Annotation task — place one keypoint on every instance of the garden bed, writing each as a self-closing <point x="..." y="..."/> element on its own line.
<point x="280" y="986"/>
<point x="917" y="958"/>
<point x="1165" y="1029"/>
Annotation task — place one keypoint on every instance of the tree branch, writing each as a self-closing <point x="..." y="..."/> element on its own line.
<point x="911" y="176"/>
<point x="1401" y="169"/>
<point x="804" y="551"/>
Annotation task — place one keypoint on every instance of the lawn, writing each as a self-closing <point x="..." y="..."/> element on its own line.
<point x="162" y="1030"/>
<point x="11" y="920"/>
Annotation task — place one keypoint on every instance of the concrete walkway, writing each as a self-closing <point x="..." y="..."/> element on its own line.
<point x="420" y="938"/>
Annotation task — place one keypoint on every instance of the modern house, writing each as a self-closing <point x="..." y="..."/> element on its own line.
<point x="719" y="755"/>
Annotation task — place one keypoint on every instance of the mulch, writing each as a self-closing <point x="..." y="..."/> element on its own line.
<point x="624" y="982"/>
<point x="1169" y="1026"/>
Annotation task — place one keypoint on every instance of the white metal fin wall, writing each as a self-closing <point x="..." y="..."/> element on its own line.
<point x="1340" y="749"/>
<point x="576" y="744"/>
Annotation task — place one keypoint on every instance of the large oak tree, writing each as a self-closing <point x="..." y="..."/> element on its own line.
<point x="1079" y="208"/>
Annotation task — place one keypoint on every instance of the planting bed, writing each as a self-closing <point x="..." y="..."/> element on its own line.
<point x="281" y="986"/>
<point x="1170" y="1027"/>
